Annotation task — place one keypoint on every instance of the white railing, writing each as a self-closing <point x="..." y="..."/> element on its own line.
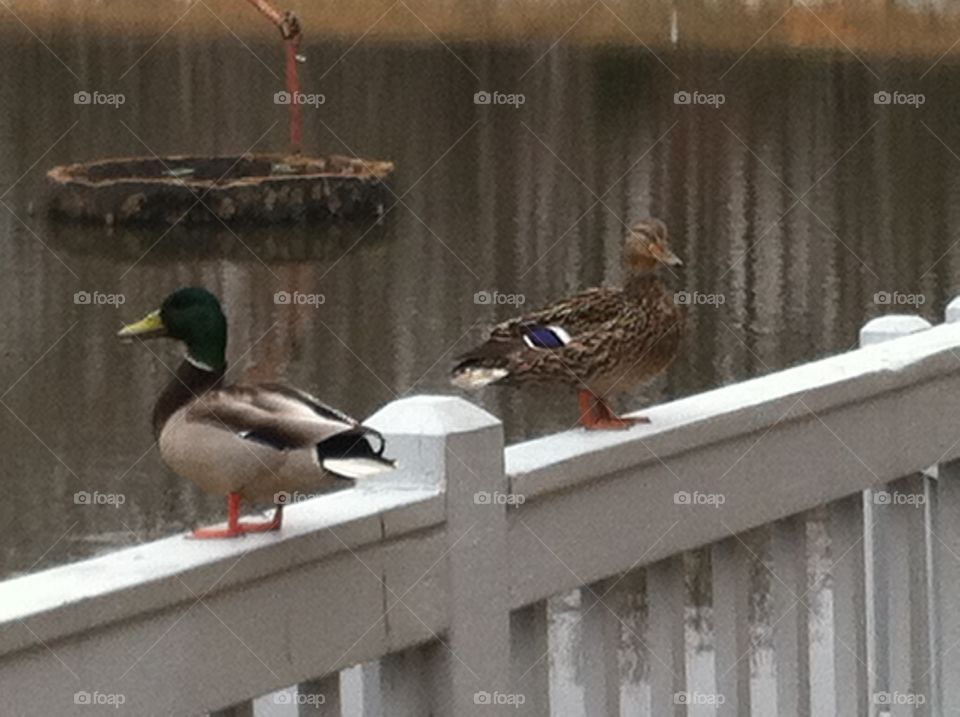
<point x="440" y="582"/>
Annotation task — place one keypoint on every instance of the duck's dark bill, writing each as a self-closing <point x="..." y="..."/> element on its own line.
<point x="150" y="325"/>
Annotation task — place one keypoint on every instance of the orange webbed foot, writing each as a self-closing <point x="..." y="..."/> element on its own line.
<point x="596" y="415"/>
<point x="235" y="528"/>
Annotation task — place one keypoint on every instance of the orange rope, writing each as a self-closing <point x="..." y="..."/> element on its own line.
<point x="290" y="29"/>
<point x="293" y="87"/>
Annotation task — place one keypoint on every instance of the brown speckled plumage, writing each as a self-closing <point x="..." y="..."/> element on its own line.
<point x="618" y="337"/>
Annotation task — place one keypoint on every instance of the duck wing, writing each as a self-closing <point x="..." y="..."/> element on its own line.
<point x="279" y="416"/>
<point x="548" y="328"/>
<point x="579" y="339"/>
<point x="576" y="315"/>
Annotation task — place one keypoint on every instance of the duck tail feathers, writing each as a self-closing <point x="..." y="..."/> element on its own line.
<point x="486" y="364"/>
<point x="353" y="455"/>
<point x="472" y="377"/>
<point x="357" y="468"/>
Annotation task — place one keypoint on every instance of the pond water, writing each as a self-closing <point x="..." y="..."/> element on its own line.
<point x="794" y="200"/>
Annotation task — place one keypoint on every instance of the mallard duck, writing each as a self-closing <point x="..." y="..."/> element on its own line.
<point x="258" y="442"/>
<point x="601" y="341"/>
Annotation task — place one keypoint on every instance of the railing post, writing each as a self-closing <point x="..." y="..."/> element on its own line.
<point x="666" y="643"/>
<point x="530" y="659"/>
<point x="791" y="631"/>
<point x="945" y="541"/>
<point x="898" y="580"/>
<point x="450" y="443"/>
<point x="849" y="629"/>
<point x="733" y="652"/>
<point x="599" y="645"/>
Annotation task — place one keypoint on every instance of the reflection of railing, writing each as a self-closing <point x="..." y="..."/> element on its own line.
<point x="436" y="580"/>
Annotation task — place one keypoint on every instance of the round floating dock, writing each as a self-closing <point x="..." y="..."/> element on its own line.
<point x="248" y="188"/>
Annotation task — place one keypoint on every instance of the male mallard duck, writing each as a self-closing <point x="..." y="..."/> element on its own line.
<point x="602" y="341"/>
<point x="258" y="442"/>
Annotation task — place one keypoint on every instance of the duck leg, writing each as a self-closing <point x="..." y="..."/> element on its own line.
<point x="596" y="415"/>
<point x="233" y="522"/>
<point x="234" y="527"/>
<point x="588" y="407"/>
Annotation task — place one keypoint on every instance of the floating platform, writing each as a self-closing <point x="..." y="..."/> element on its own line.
<point x="248" y="188"/>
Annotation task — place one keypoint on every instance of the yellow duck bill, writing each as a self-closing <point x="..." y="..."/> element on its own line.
<point x="149" y="326"/>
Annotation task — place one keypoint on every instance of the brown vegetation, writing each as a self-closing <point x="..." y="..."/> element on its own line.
<point x="869" y="26"/>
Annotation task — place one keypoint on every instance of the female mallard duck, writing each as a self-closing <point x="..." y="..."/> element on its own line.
<point x="257" y="442"/>
<point x="602" y="341"/>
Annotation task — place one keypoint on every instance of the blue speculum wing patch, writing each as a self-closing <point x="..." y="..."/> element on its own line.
<point x="545" y="337"/>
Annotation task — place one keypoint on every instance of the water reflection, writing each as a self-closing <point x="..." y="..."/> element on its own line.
<point x="796" y="201"/>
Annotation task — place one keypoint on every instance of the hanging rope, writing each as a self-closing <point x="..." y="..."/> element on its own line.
<point x="289" y="27"/>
